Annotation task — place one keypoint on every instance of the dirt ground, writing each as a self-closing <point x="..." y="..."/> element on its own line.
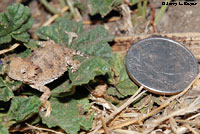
<point x="180" y="18"/>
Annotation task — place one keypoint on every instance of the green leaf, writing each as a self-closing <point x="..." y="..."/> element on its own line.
<point x="57" y="31"/>
<point x="84" y="104"/>
<point x="66" y="114"/>
<point x="5" y="39"/>
<point x="114" y="92"/>
<point x="6" y="88"/>
<point x="103" y="6"/>
<point x="31" y="44"/>
<point x="123" y="85"/>
<point x="80" y="6"/>
<point x="3" y="130"/>
<point x="126" y="87"/>
<point x="5" y="26"/>
<point x="22" y="108"/>
<point x="26" y="53"/>
<point x="17" y="14"/>
<point x="25" y="27"/>
<point x="95" y="43"/>
<point x="118" y="66"/>
<point x="1" y="67"/>
<point x="23" y="37"/>
<point x="123" y="89"/>
<point x="88" y="70"/>
<point x="64" y="89"/>
<point x="15" y="22"/>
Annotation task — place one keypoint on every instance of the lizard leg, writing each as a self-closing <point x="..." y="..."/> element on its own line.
<point x="44" y="98"/>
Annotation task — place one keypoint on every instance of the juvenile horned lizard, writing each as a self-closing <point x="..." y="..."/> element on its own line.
<point x="43" y="66"/>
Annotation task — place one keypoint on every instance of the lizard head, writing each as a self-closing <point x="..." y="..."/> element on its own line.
<point x="22" y="70"/>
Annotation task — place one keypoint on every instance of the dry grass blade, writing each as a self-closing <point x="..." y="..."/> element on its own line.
<point x="166" y="103"/>
<point x="121" y="131"/>
<point x="43" y="129"/>
<point x="191" y="129"/>
<point x="9" y="49"/>
<point x="196" y="123"/>
<point x="104" y="125"/>
<point x="189" y="109"/>
<point x="127" y="20"/>
<point x="131" y="121"/>
<point x="128" y="102"/>
<point x="55" y="16"/>
<point x="173" y="124"/>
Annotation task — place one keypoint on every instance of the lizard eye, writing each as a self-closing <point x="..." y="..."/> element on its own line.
<point x="23" y="71"/>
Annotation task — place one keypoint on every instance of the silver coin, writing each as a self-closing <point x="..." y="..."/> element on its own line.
<point x="161" y="65"/>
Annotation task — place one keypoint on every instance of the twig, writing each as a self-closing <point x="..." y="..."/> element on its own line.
<point x="55" y="16"/>
<point x="128" y="102"/>
<point x="121" y="131"/>
<point x="166" y="103"/>
<point x="49" y="7"/>
<point x="42" y="16"/>
<point x="194" y="116"/>
<point x="43" y="129"/>
<point x="116" y="117"/>
<point x="191" y="129"/>
<point x="9" y="49"/>
<point x="127" y="20"/>
<point x="131" y="121"/>
<point x="104" y="125"/>
<point x="192" y="122"/>
<point x="152" y="18"/>
<point x="182" y="111"/>
<point x="173" y="125"/>
<point x="147" y="101"/>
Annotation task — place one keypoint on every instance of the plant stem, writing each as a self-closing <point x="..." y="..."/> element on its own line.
<point x="140" y="10"/>
<point x="161" y="13"/>
<point x="144" y="9"/>
<point x="69" y="3"/>
<point x="74" y="11"/>
<point x="62" y="3"/>
<point x="49" y="7"/>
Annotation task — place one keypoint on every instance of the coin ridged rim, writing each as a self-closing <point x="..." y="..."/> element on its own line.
<point x="157" y="91"/>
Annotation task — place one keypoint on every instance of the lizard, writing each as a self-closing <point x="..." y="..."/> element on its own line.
<point x="43" y="66"/>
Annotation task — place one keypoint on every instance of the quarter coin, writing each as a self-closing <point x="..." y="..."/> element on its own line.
<point x="161" y="65"/>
